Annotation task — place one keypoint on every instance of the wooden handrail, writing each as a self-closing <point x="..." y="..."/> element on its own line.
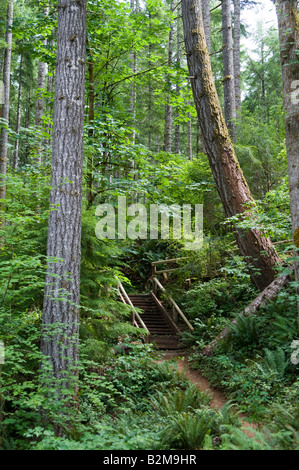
<point x="135" y="313"/>
<point x="174" y="304"/>
<point x="163" y="309"/>
<point x="168" y="260"/>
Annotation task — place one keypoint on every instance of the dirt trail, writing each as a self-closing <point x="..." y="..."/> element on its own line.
<point x="218" y="398"/>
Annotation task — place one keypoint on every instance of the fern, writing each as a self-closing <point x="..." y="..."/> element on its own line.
<point x="178" y="401"/>
<point x="245" y="329"/>
<point x="274" y="362"/>
<point x="240" y="439"/>
<point x="188" y="431"/>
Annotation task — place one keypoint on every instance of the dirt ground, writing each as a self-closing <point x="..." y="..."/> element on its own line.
<point x="218" y="398"/>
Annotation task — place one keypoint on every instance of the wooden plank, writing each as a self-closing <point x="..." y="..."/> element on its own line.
<point x="162" y="308"/>
<point x="168" y="260"/>
<point x="173" y="303"/>
<point x="120" y="286"/>
<point x="166" y="271"/>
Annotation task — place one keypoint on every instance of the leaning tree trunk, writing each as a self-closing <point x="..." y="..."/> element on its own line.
<point x="237" y="59"/>
<point x="228" y="69"/>
<point x="267" y="295"/>
<point x="288" y="25"/>
<point x="6" y="100"/>
<point x="60" y="318"/>
<point x="258" y="251"/>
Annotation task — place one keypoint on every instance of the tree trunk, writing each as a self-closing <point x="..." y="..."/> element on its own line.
<point x="91" y="98"/>
<point x="18" y="123"/>
<point x="228" y="69"/>
<point x="150" y="97"/>
<point x="61" y="298"/>
<point x="177" y="89"/>
<point x="6" y="99"/>
<point x="288" y="25"/>
<point x="237" y="59"/>
<point x="168" y="107"/>
<point x="258" y="251"/>
<point x="133" y="94"/>
<point x="206" y="14"/>
<point x="190" y="153"/>
<point x="40" y="102"/>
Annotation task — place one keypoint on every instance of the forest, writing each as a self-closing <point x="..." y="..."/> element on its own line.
<point x="149" y="225"/>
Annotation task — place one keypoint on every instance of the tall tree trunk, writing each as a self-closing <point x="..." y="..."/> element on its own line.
<point x="133" y="93"/>
<point x="168" y="107"/>
<point x="190" y="153"/>
<point x="177" y="87"/>
<point x="206" y="5"/>
<point x="288" y="25"/>
<point x="237" y="58"/>
<point x="228" y="69"/>
<point x="60" y="318"/>
<point x="40" y="102"/>
<point x="91" y="98"/>
<point x="18" y="123"/>
<point x="150" y="97"/>
<point x="258" y="251"/>
<point x="6" y="100"/>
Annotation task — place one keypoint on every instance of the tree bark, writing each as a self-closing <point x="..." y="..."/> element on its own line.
<point x="234" y="192"/>
<point x="177" y="88"/>
<point x="228" y="69"/>
<point x="168" y="107"/>
<point x="60" y="318"/>
<point x="40" y="102"/>
<point x="206" y="14"/>
<point x="18" y="123"/>
<point x="133" y="93"/>
<point x="190" y="147"/>
<point x="288" y="25"/>
<point x="91" y="98"/>
<point x="6" y="100"/>
<point x="237" y="59"/>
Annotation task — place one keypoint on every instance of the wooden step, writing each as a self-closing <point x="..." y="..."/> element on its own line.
<point x="160" y="330"/>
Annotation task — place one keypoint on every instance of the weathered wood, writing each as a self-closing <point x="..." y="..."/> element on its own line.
<point x="265" y="296"/>
<point x="165" y="313"/>
<point x="168" y="260"/>
<point x="159" y="285"/>
<point x="128" y="301"/>
<point x="166" y="271"/>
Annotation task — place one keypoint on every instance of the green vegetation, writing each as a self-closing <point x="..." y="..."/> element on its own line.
<point x="127" y="396"/>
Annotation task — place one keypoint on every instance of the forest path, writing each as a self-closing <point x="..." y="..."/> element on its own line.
<point x="181" y="358"/>
<point x="218" y="398"/>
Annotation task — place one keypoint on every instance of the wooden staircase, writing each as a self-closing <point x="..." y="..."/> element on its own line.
<point x="163" y="332"/>
<point x="161" y="328"/>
